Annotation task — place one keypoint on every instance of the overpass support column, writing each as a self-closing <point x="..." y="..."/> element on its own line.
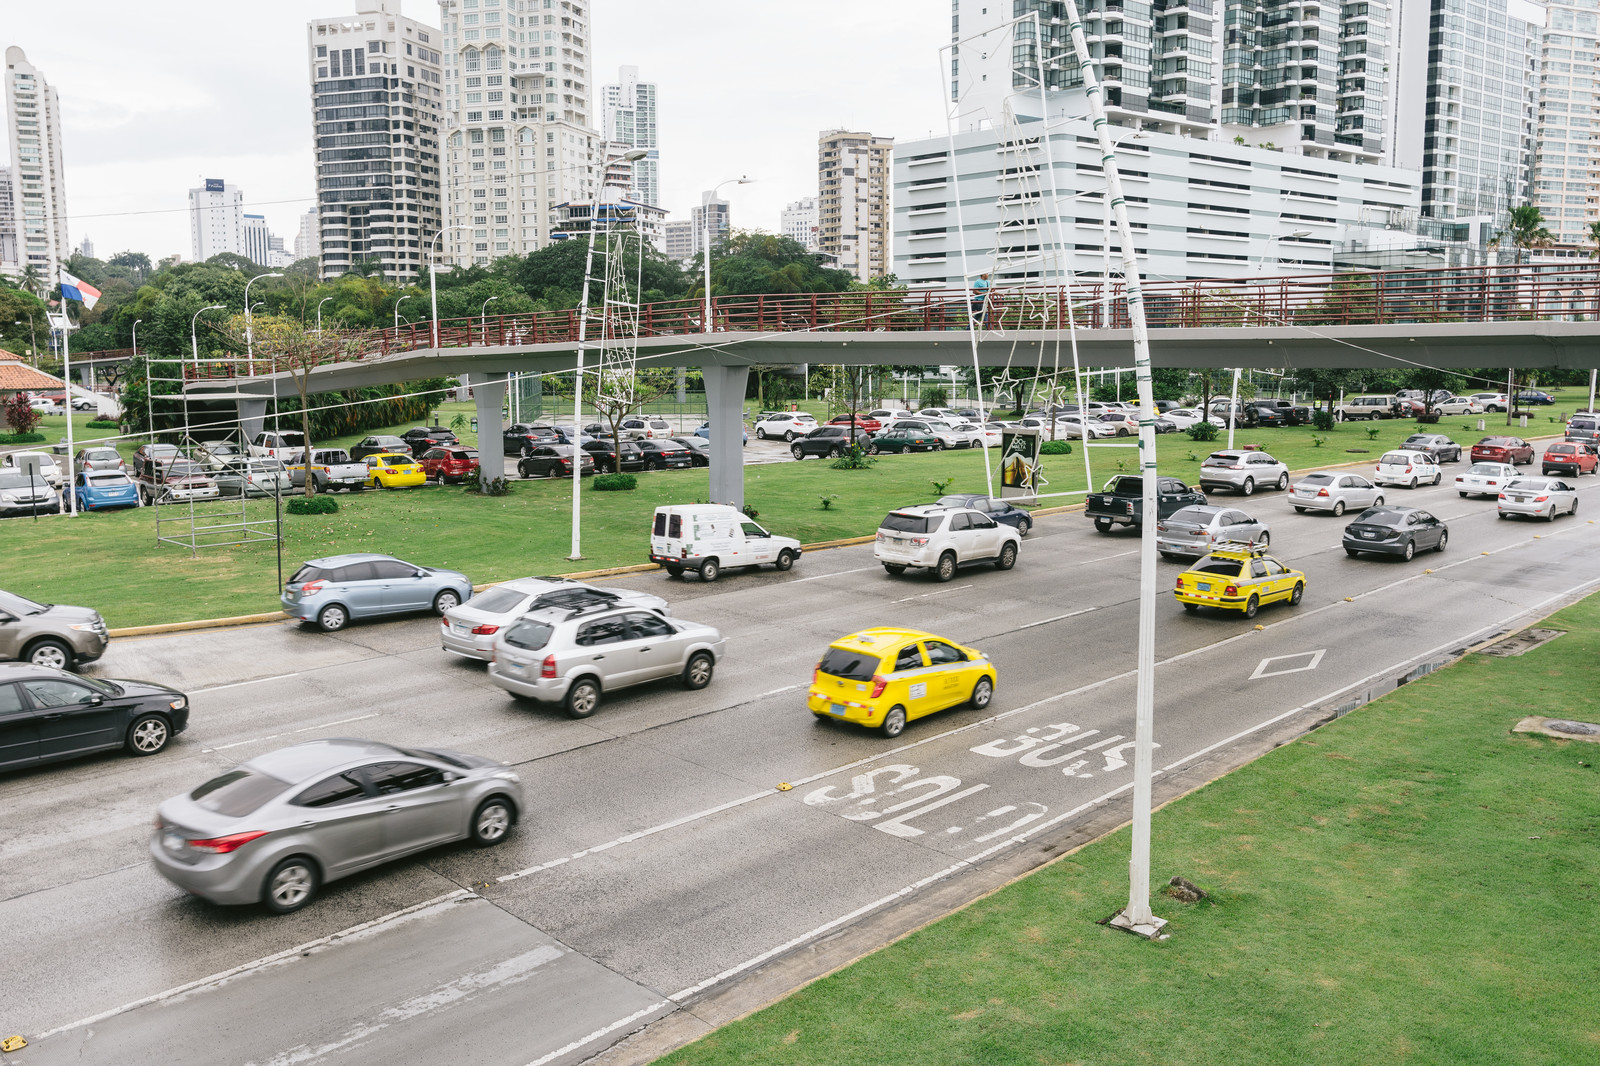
<point x="252" y="417"/>
<point x="489" y="394"/>
<point x="725" y="386"/>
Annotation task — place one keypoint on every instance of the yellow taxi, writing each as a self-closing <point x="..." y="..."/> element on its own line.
<point x="1239" y="577"/>
<point x="884" y="678"/>
<point x="392" y="470"/>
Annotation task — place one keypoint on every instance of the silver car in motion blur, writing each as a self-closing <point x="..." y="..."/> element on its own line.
<point x="469" y="628"/>
<point x="277" y="828"/>
<point x="1194" y="531"/>
<point x="1334" y="492"/>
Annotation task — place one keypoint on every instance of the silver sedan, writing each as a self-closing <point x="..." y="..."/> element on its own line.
<point x="1538" y="497"/>
<point x="277" y="828"/>
<point x="1335" y="493"/>
<point x="1192" y="531"/>
<point x="469" y="629"/>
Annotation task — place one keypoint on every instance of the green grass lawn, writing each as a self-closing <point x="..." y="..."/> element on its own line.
<point x="1409" y="884"/>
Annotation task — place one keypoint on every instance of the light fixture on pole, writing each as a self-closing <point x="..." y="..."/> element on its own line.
<point x="249" y="339"/>
<point x="483" y="318"/>
<point x="320" y="302"/>
<point x="706" y="201"/>
<point x="397" y="304"/>
<point x="433" y="277"/>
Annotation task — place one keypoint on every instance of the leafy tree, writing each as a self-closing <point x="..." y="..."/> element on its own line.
<point x="137" y="262"/>
<point x="760" y="263"/>
<point x="1594" y="239"/>
<point x="1526" y="230"/>
<point x="19" y="416"/>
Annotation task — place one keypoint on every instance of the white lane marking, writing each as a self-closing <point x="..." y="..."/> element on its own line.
<point x="778" y="691"/>
<point x="841" y="573"/>
<point x="598" y="1033"/>
<point x="1103" y="558"/>
<point x="292" y="732"/>
<point x="935" y="592"/>
<point x="1057" y="618"/>
<point x="236" y="684"/>
<point x="1313" y="660"/>
<point x="256" y="964"/>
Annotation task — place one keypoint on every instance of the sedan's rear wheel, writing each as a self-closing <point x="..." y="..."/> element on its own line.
<point x="291" y="885"/>
<point x="148" y="734"/>
<point x="894" y="723"/>
<point x="697" y="674"/>
<point x="982" y="693"/>
<point x="1550" y="516"/>
<point x="1191" y="608"/>
<point x="492" y="821"/>
<point x="1299" y="510"/>
<point x="333" y="618"/>
<point x="894" y="569"/>
<point x="583" y="698"/>
<point x="1338" y="508"/>
<point x="1252" y="605"/>
<point x="1351" y="552"/>
<point x="1413" y="484"/>
<point x="1411" y="549"/>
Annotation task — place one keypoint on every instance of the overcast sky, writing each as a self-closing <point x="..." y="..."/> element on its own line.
<point x="158" y="94"/>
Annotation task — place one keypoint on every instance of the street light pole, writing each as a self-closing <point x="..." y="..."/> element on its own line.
<point x="705" y="212"/>
<point x="147" y="417"/>
<point x="397" y="304"/>
<point x="433" y="277"/>
<point x="249" y="339"/>
<point x="483" y="318"/>
<point x="320" y="302"/>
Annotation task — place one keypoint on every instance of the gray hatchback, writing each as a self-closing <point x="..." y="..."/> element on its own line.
<point x="280" y="826"/>
<point x="332" y="591"/>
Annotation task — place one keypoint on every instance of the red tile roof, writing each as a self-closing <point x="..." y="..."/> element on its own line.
<point x="16" y="375"/>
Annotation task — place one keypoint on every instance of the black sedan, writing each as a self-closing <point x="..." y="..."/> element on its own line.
<point x="605" y="454"/>
<point x="523" y="437"/>
<point x="699" y="449"/>
<point x="829" y="440"/>
<point x="48" y="714"/>
<point x="664" y="454"/>
<point x="1402" y="531"/>
<point x="1533" y="397"/>
<point x="421" y="438"/>
<point x="999" y="510"/>
<point x="551" y="460"/>
<point x="379" y="445"/>
<point x="1437" y="446"/>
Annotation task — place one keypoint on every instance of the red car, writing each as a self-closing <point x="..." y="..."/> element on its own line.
<point x="1513" y="450"/>
<point x="1569" y="458"/>
<point x="866" y="422"/>
<point x="448" y="464"/>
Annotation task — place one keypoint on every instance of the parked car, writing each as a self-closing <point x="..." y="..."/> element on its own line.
<point x="906" y="435"/>
<point x="1335" y="492"/>
<point x="941" y="539"/>
<point x="1408" y="468"/>
<point x="645" y="427"/>
<point x="333" y="590"/>
<point x="1534" y="398"/>
<point x="664" y="454"/>
<point x="285" y="445"/>
<point x="942" y="414"/>
<point x="253" y="477"/>
<point x="1459" y="405"/>
<point x="1440" y="447"/>
<point x="1183" y="417"/>
<point x="1513" y="450"/>
<point x="865" y="422"/>
<point x="574" y="656"/>
<point x="161" y="453"/>
<point x="421" y="439"/>
<point x="46" y="464"/>
<point x="987" y="431"/>
<point x="523" y="437"/>
<point x="1067" y="427"/>
<point x="178" y="481"/>
<point x="1491" y="402"/>
<point x="50" y="634"/>
<point x="276" y="829"/>
<point x="98" y="490"/>
<point x="958" y="434"/>
<point x="1239" y="578"/>
<point x="1122" y="424"/>
<point x="450" y="465"/>
<point x="379" y="444"/>
<point x="48" y="714"/>
<point x="215" y="454"/>
<point x="553" y="460"/>
<point x="469" y="629"/>
<point x="785" y="425"/>
<point x="47" y="407"/>
<point x="1243" y="472"/>
<point x="710" y="536"/>
<point x="1583" y="427"/>
<point x="1391" y="530"/>
<point x="1568" y="459"/>
<point x="1368" y="408"/>
<point x="331" y="468"/>
<point x="999" y="510"/>
<point x="24" y="495"/>
<point x="1192" y="531"/>
<point x="911" y="674"/>
<point x="1538" y="497"/>
<point x="98" y="459"/>
<point x="885" y="415"/>
<point x="704" y="431"/>
<point x="830" y="440"/>
<point x="699" y="449"/>
<point x="605" y="453"/>
<point x="1485" y="479"/>
<point x="394" y="470"/>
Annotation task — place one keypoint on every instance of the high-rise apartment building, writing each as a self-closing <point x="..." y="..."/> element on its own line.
<point x="38" y="189"/>
<point x="1567" y="156"/>
<point x="520" y="124"/>
<point x="853" y="200"/>
<point x="798" y="222"/>
<point x="628" y="117"/>
<point x="258" y="240"/>
<point x="376" y="96"/>
<point x="8" y="225"/>
<point x="678" y="240"/>
<point x="306" y="242"/>
<point x="720" y="222"/>
<point x="216" y="219"/>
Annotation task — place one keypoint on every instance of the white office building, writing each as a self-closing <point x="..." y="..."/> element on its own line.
<point x="520" y="126"/>
<point x="306" y="242"/>
<point x="798" y="222"/>
<point x="628" y="118"/>
<point x="38" y="188"/>
<point x="678" y="240"/>
<point x="216" y="219"/>
<point x="573" y="219"/>
<point x="720" y="222"/>
<point x="258" y="240"/>
<point x="1567" y="156"/>
<point x="8" y="226"/>
<point x="376" y="95"/>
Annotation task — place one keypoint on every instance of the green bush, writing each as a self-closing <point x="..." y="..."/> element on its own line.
<point x="750" y="512"/>
<point x="1322" y="418"/>
<point x="1203" y="431"/>
<point x="1055" y="447"/>
<point x="497" y="486"/>
<point x="935" y="396"/>
<point x="312" y="505"/>
<point x="855" y="457"/>
<point x="615" y="482"/>
<point x="101" y="423"/>
<point x="21" y="438"/>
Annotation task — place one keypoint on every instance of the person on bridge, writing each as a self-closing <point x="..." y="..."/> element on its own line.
<point x="980" y="298"/>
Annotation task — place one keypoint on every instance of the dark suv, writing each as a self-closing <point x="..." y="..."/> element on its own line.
<point x="828" y="440"/>
<point x="421" y="438"/>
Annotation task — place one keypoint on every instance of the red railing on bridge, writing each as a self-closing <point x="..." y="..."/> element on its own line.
<point x="1427" y="295"/>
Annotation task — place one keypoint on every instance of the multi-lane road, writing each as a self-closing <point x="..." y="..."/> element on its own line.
<point x="684" y="855"/>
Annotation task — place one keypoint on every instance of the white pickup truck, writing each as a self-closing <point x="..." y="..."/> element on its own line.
<point x="331" y="468"/>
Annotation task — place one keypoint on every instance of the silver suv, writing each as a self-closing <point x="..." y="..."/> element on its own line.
<point x="943" y="538"/>
<point x="571" y="657"/>
<point x="48" y="634"/>
<point x="1243" y="472"/>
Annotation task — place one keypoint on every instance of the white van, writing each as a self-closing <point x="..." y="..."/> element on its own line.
<point x="709" y="536"/>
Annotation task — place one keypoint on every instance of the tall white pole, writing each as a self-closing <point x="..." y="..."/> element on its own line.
<point x="320" y="302"/>
<point x="1591" y="389"/>
<point x="1233" y="408"/>
<point x="1137" y="916"/>
<point x="249" y="339"/>
<point x="397" y="304"/>
<point x="577" y="381"/>
<point x="66" y="374"/>
<point x="705" y="218"/>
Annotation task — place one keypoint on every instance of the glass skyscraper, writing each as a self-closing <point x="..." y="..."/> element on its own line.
<point x="1565" y="152"/>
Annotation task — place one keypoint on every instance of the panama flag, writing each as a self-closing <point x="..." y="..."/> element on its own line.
<point x="83" y="292"/>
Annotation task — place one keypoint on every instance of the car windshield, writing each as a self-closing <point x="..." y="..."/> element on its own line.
<point x="1317" y="479"/>
<point x="266" y="466"/>
<point x="529" y="634"/>
<point x="237" y="792"/>
<point x="1379" y="516"/>
<point x="9" y="480"/>
<point x="499" y="600"/>
<point x="18" y="605"/>
<point x="1527" y="485"/>
<point x="291" y="440"/>
<point x="101" y="453"/>
<point x="1418" y="439"/>
<point x="850" y="665"/>
<point x="1486" y="469"/>
<point x="911" y="523"/>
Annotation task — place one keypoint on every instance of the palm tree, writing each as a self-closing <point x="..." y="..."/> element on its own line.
<point x="1594" y="239"/>
<point x="1526" y="230"/>
<point x="32" y="280"/>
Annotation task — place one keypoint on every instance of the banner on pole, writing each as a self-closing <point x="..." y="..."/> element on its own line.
<point x="1019" y="464"/>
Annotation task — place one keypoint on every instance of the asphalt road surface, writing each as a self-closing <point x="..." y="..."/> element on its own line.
<point x="658" y="863"/>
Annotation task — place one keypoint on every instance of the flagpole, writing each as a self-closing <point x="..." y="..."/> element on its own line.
<point x="66" y="374"/>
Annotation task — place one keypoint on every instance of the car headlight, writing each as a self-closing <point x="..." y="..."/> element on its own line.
<point x="86" y="627"/>
<point x="505" y="775"/>
<point x="8" y="497"/>
<point x="179" y="704"/>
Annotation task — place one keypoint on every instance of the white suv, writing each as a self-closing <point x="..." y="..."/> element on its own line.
<point x="786" y="425"/>
<point x="642" y="428"/>
<point x="1408" y="468"/>
<point x="1243" y="472"/>
<point x="942" y="539"/>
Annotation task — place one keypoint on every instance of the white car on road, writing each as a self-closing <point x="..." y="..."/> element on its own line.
<point x="1485" y="479"/>
<point x="1408" y="468"/>
<point x="785" y="426"/>
<point x="469" y="629"/>
<point x="1334" y="492"/>
<point x="943" y="538"/>
<point x="1538" y="497"/>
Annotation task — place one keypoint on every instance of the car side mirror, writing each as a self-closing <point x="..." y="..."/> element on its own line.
<point x="420" y="573"/>
<point x="451" y="778"/>
<point x="96" y="700"/>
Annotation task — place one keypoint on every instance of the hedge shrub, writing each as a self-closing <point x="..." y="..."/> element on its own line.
<point x="21" y="438"/>
<point x="1322" y="418"/>
<point x="1203" y="431"/>
<point x="101" y="423"/>
<point x="312" y="505"/>
<point x="615" y="482"/>
<point x="1055" y="447"/>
